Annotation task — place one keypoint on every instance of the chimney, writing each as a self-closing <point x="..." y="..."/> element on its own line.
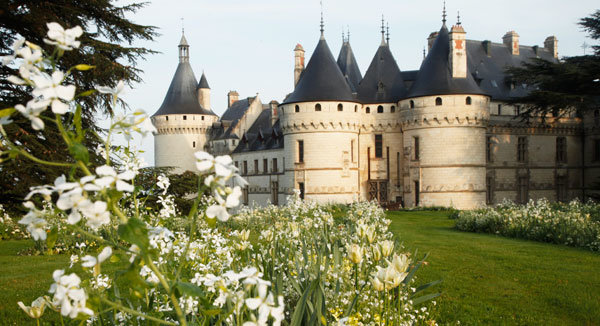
<point x="511" y="40"/>
<point x="487" y="47"/>
<point x="232" y="97"/>
<point x="536" y="49"/>
<point x="299" y="62"/>
<point x="431" y="39"/>
<point x="551" y="44"/>
<point x="458" y="51"/>
<point x="273" y="104"/>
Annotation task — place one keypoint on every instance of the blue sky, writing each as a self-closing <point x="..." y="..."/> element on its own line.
<point x="247" y="46"/>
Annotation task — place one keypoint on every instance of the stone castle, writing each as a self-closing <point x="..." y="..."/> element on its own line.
<point x="443" y="135"/>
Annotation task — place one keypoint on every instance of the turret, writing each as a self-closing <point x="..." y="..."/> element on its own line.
<point x="204" y="93"/>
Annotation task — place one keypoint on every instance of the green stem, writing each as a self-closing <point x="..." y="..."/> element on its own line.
<point x="40" y="161"/>
<point x="164" y="283"/>
<point x="135" y="312"/>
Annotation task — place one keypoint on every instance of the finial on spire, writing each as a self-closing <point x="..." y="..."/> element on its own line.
<point x="387" y="36"/>
<point x="322" y="24"/>
<point x="458" y="18"/>
<point x="444" y="14"/>
<point x="182" y="26"/>
<point x="382" y="30"/>
<point x="348" y="33"/>
<point x="343" y="35"/>
<point x="424" y="53"/>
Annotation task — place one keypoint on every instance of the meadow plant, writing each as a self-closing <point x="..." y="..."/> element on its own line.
<point x="296" y="264"/>
<point x="574" y="224"/>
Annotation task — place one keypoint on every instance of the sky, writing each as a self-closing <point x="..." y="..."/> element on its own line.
<point x="247" y="46"/>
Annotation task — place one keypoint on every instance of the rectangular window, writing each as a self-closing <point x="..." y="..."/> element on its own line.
<point x="517" y="109"/>
<point x="245" y="195"/>
<point x="275" y="193"/>
<point x="245" y="171"/>
<point x="416" y="150"/>
<point x="352" y="150"/>
<point x="301" y="188"/>
<point x="236" y="164"/>
<point x="561" y="150"/>
<point x="523" y="190"/>
<point x="488" y="148"/>
<point x="300" y="151"/>
<point x="274" y="167"/>
<point x="561" y="188"/>
<point x="265" y="166"/>
<point x="596" y="149"/>
<point x="499" y="109"/>
<point x="417" y="193"/>
<point x="522" y="149"/>
<point x="255" y="166"/>
<point x="379" y="146"/>
<point x="489" y="186"/>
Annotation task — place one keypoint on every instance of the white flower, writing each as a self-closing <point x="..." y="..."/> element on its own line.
<point x="266" y="306"/>
<point x="91" y="261"/>
<point x="163" y="182"/>
<point x="76" y="202"/>
<point x="109" y="177"/>
<point x="64" y="39"/>
<point x="217" y="211"/>
<point x="233" y="199"/>
<point x="37" y="308"/>
<point x="387" y="247"/>
<point x="16" y="46"/>
<point x="356" y="253"/>
<point x="68" y="295"/>
<point x="32" y="112"/>
<point x="35" y="224"/>
<point x="97" y="215"/>
<point x="223" y="165"/>
<point x="50" y="88"/>
<point x="115" y="92"/>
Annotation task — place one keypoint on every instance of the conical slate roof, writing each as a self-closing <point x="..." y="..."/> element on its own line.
<point x="347" y="63"/>
<point x="383" y="81"/>
<point x="435" y="76"/>
<point x="322" y="79"/>
<point x="203" y="82"/>
<point x="181" y="97"/>
<point x="183" y="41"/>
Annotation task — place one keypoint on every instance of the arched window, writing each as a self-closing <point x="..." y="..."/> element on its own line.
<point x="393" y="109"/>
<point x="468" y="100"/>
<point x="356" y="108"/>
<point x="340" y="107"/>
<point x="380" y="109"/>
<point x="368" y="110"/>
<point x="412" y="104"/>
<point x="438" y="101"/>
<point x="297" y="108"/>
<point x="317" y="107"/>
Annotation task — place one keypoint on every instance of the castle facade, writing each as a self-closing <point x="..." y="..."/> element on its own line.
<point x="443" y="135"/>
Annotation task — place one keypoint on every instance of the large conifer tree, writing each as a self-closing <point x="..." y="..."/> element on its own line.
<point x="106" y="44"/>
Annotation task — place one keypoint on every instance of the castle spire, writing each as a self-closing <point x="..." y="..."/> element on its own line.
<point x="458" y="18"/>
<point x="348" y="33"/>
<point x="322" y="24"/>
<point x="444" y="14"/>
<point x="184" y="49"/>
<point x="387" y="36"/>
<point x="382" y="30"/>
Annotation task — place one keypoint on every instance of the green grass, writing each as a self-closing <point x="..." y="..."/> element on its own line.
<point x="489" y="279"/>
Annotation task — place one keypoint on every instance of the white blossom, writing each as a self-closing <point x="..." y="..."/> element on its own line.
<point x="97" y="215"/>
<point x="109" y="177"/>
<point x="64" y="39"/>
<point x="50" y="88"/>
<point x="32" y="111"/>
<point x="35" y="225"/>
<point x="68" y="295"/>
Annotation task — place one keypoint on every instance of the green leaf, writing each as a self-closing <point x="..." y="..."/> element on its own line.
<point x="84" y="67"/>
<point x="80" y="152"/>
<point x="135" y="232"/>
<point x="86" y="93"/>
<point x="425" y="298"/>
<point x="190" y="289"/>
<point x="426" y="286"/>
<point x="7" y="112"/>
<point x="51" y="238"/>
<point x="299" y="310"/>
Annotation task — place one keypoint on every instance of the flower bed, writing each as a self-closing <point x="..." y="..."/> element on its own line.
<point x="573" y="224"/>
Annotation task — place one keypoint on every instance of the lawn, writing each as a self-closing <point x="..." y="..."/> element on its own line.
<point x="487" y="279"/>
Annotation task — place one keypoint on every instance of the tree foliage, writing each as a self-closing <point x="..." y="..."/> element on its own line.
<point x="106" y="44"/>
<point x="569" y="85"/>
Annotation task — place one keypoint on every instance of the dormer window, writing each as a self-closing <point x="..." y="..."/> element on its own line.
<point x="380" y="109"/>
<point x="317" y="107"/>
<point x="468" y="100"/>
<point x="438" y="101"/>
<point x="340" y="107"/>
<point x="297" y="108"/>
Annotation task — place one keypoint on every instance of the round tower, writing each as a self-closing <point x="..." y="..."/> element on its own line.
<point x="319" y="121"/>
<point x="444" y="118"/>
<point x="182" y="122"/>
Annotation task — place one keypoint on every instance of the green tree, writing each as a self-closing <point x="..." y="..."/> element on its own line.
<point x="570" y="85"/>
<point x="105" y="44"/>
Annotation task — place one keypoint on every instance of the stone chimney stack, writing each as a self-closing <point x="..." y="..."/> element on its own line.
<point x="232" y="97"/>
<point x="551" y="44"/>
<point x="431" y="39"/>
<point x="298" y="62"/>
<point x="273" y="105"/>
<point x="511" y="40"/>
<point x="458" y="51"/>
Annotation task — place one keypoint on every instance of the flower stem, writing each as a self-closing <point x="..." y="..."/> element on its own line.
<point x="164" y="283"/>
<point x="135" y="312"/>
